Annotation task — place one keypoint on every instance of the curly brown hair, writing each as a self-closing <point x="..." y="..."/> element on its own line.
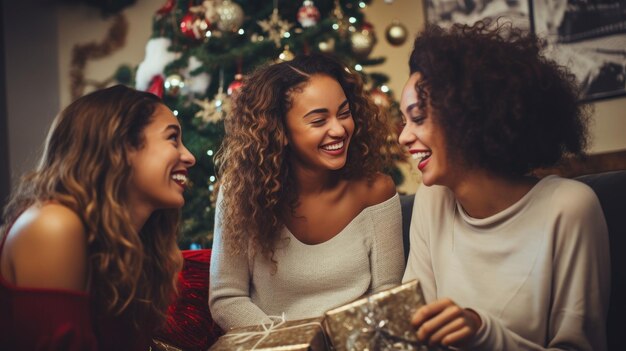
<point x="85" y="168"/>
<point x="502" y="105"/>
<point x="255" y="174"/>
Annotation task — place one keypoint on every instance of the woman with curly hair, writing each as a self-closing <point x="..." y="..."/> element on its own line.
<point x="507" y="261"/>
<point x="305" y="219"/>
<point x="89" y="260"/>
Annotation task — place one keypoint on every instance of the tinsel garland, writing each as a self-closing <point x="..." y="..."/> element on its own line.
<point x="81" y="53"/>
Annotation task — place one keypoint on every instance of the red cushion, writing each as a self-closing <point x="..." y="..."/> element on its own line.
<point x="189" y="324"/>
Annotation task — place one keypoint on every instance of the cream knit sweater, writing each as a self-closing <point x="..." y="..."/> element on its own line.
<point x="537" y="273"/>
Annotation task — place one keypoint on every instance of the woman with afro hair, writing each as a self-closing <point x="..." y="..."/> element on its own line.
<point x="305" y="219"/>
<point x="506" y="261"/>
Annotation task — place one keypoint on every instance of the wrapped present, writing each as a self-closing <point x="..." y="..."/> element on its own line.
<point x="278" y="334"/>
<point x="381" y="321"/>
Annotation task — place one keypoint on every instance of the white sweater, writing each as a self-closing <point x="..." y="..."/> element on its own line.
<point x="365" y="257"/>
<point x="537" y="273"/>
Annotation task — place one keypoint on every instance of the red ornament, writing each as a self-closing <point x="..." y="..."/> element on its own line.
<point x="367" y="26"/>
<point x="235" y="84"/>
<point x="194" y="26"/>
<point x="167" y="8"/>
<point x="308" y="14"/>
<point x="156" y="85"/>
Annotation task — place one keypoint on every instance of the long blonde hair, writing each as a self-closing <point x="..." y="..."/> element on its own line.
<point x="85" y="167"/>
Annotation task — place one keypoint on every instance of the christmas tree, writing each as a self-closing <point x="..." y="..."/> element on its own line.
<point x="200" y="50"/>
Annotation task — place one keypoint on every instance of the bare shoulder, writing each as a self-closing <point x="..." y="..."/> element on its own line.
<point x="376" y="190"/>
<point x="49" y="222"/>
<point x="55" y="235"/>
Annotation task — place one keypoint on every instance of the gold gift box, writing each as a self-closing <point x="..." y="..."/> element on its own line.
<point x="380" y="322"/>
<point x="298" y="335"/>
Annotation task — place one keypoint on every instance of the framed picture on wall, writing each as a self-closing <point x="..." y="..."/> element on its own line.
<point x="446" y="12"/>
<point x="589" y="37"/>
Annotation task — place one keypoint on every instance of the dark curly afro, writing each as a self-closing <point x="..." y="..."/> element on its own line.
<point x="501" y="104"/>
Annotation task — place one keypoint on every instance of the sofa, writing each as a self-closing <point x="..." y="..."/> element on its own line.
<point x="190" y="326"/>
<point x="610" y="187"/>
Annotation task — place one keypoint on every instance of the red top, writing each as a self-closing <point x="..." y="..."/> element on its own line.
<point x="56" y="319"/>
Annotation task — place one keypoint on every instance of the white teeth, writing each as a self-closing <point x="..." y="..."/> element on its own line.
<point x="420" y="155"/>
<point x="180" y="178"/>
<point x="333" y="147"/>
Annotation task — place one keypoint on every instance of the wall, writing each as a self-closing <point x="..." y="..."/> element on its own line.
<point x="38" y="61"/>
<point x="4" y="144"/>
<point x="609" y="126"/>
<point x="31" y="66"/>
<point x="82" y="25"/>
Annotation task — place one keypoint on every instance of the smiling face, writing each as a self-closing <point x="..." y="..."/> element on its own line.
<point x="159" y="165"/>
<point x="424" y="138"/>
<point x="320" y="124"/>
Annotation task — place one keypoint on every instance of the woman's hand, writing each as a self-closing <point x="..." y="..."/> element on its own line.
<point x="443" y="322"/>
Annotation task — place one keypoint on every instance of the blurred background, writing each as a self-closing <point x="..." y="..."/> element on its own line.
<point x="191" y="53"/>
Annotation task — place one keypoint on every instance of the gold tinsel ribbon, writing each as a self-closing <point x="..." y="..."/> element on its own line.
<point x="274" y="323"/>
<point x="82" y="53"/>
<point x="159" y="345"/>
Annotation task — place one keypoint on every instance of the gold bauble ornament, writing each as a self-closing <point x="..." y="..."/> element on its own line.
<point x="173" y="84"/>
<point x="286" y="55"/>
<point x="396" y="33"/>
<point x="327" y="45"/>
<point x="230" y="16"/>
<point x="362" y="42"/>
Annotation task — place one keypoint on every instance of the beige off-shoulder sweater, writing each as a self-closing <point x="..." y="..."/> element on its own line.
<point x="366" y="256"/>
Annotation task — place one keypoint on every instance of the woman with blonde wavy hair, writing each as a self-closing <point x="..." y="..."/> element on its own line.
<point x="90" y="235"/>
<point x="305" y="219"/>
